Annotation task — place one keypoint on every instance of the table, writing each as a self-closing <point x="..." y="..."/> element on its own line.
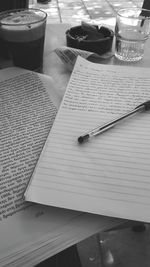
<point x="55" y="37"/>
<point x="52" y="65"/>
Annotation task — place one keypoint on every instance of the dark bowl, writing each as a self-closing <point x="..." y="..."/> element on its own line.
<point x="100" y="41"/>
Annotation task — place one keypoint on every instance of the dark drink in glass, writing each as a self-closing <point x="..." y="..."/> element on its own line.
<point x="23" y="31"/>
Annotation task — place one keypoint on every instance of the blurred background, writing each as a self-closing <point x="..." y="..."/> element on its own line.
<point x="75" y="11"/>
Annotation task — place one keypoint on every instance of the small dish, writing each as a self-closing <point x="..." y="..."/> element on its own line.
<point x="97" y="40"/>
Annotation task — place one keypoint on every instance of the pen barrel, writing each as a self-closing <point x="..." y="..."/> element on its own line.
<point x="104" y="128"/>
<point x="112" y="123"/>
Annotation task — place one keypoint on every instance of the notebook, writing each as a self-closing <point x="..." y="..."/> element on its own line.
<point x="109" y="174"/>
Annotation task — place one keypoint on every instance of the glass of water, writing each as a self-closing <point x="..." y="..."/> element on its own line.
<point x="131" y="32"/>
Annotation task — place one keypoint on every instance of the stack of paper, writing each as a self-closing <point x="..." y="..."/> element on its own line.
<point x="30" y="233"/>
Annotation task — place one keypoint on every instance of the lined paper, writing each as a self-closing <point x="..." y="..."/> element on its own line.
<point x="109" y="174"/>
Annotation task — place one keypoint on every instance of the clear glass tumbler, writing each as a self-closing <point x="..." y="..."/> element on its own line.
<point x="131" y="32"/>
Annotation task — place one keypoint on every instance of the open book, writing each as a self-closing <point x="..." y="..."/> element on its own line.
<point x="109" y="174"/>
<point x="30" y="233"/>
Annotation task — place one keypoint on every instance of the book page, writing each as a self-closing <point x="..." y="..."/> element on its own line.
<point x="109" y="174"/>
<point x="26" y="115"/>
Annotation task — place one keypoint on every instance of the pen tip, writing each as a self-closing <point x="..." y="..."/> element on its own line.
<point x="83" y="138"/>
<point x="80" y="139"/>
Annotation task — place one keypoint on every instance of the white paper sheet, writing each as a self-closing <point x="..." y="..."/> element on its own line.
<point x="109" y="174"/>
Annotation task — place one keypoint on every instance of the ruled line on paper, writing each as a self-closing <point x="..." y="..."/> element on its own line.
<point x="102" y="181"/>
<point x="102" y="159"/>
<point x="118" y="174"/>
<point x="106" y="176"/>
<point x="107" y="161"/>
<point x="105" y="150"/>
<point x="91" y="185"/>
<point x="95" y="161"/>
<point x="106" y="153"/>
<point x="87" y="178"/>
<point x="132" y="175"/>
<point x="100" y="196"/>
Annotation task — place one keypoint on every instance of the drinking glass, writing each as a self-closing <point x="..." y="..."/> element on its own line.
<point x="23" y="32"/>
<point x="131" y="32"/>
